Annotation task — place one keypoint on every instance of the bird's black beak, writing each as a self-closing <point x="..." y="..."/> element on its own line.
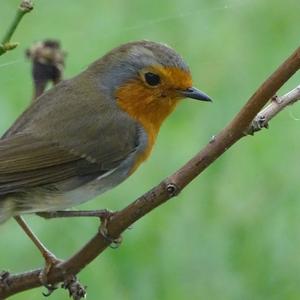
<point x="194" y="94"/>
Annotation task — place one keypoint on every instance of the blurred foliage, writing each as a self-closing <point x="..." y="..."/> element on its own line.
<point x="234" y="233"/>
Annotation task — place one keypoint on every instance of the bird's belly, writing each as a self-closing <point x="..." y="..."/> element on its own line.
<point x="94" y="188"/>
<point x="41" y="200"/>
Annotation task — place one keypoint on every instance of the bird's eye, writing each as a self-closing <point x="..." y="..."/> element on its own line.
<point x="152" y="79"/>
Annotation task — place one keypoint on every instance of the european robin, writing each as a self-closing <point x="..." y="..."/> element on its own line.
<point x="88" y="134"/>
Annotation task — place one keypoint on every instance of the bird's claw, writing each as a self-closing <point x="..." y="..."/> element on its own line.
<point x="50" y="262"/>
<point x="105" y="218"/>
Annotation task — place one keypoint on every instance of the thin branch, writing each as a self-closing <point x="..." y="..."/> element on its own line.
<point x="167" y="189"/>
<point x="277" y="104"/>
<point x="25" y="7"/>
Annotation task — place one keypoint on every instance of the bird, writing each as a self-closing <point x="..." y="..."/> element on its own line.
<point x="89" y="133"/>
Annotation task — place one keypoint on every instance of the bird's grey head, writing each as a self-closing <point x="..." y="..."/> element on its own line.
<point x="126" y="61"/>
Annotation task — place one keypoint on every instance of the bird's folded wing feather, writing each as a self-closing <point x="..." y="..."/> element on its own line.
<point x="46" y="145"/>
<point x="27" y="162"/>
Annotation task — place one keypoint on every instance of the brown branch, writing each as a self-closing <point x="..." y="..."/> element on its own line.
<point x="167" y="189"/>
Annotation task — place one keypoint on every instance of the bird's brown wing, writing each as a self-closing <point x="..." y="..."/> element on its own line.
<point x="27" y="162"/>
<point x="57" y="139"/>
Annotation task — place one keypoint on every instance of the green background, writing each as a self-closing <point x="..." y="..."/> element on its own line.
<point x="234" y="232"/>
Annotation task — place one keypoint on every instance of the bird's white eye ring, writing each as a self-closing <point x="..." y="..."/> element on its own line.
<point x="152" y="79"/>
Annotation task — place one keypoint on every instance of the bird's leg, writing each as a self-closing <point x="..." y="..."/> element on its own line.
<point x="103" y="214"/>
<point x="50" y="258"/>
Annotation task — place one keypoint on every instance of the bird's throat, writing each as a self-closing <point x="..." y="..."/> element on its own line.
<point x="147" y="108"/>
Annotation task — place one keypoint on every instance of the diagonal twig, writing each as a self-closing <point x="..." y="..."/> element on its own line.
<point x="6" y="45"/>
<point x="277" y="104"/>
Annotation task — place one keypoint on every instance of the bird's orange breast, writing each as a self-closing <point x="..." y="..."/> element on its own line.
<point x="150" y="107"/>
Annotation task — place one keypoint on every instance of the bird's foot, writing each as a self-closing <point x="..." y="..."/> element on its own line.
<point x="50" y="261"/>
<point x="103" y="230"/>
<point x="104" y="215"/>
<point x="76" y="290"/>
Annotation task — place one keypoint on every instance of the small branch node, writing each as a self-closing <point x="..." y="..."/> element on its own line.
<point x="172" y="189"/>
<point x="257" y="124"/>
<point x="212" y="139"/>
<point x="275" y="98"/>
<point x="8" y="46"/>
<point x="26" y="6"/>
<point x="4" y="279"/>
